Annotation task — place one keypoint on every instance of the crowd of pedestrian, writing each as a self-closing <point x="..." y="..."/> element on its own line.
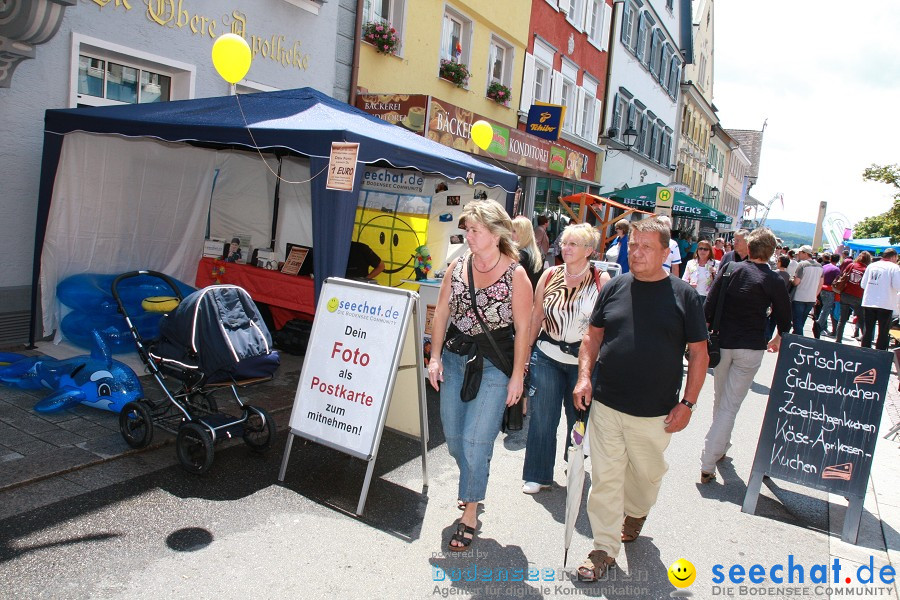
<point x="583" y="341"/>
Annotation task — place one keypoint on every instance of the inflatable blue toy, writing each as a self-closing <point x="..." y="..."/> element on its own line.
<point x="96" y="380"/>
<point x="89" y="295"/>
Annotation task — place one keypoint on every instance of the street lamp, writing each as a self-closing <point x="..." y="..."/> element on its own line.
<point x="713" y="194"/>
<point x="629" y="137"/>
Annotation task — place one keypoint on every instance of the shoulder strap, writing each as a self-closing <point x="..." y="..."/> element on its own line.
<point x="726" y="279"/>
<point x="484" y="327"/>
<point x="596" y="273"/>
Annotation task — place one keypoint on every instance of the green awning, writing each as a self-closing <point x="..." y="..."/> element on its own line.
<point x="644" y="198"/>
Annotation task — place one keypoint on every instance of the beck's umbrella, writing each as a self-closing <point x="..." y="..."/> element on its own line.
<point x="575" y="484"/>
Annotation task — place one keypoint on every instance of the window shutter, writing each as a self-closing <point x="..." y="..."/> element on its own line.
<point x="579" y="109"/>
<point x="627" y="17"/>
<point x="607" y="23"/>
<point x="527" y="84"/>
<point x="616" y="120"/>
<point x="595" y="126"/>
<point x="565" y="6"/>
<point x="556" y="86"/>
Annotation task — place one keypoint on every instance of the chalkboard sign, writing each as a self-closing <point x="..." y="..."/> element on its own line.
<point x="822" y="419"/>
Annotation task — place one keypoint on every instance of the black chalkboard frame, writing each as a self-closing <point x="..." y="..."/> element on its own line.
<point x="821" y="422"/>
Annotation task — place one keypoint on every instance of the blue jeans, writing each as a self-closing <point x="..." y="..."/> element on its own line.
<point x="827" y="309"/>
<point x="553" y="383"/>
<point x="800" y="312"/>
<point x="471" y="427"/>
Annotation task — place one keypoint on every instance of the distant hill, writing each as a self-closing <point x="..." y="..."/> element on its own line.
<point x="806" y="230"/>
<point x="793" y="240"/>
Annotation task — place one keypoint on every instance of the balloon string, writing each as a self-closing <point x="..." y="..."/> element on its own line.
<point x="256" y="147"/>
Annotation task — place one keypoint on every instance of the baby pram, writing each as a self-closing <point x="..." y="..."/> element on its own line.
<point x="214" y="340"/>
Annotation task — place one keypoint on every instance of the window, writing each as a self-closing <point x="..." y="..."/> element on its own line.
<point x="568" y="97"/>
<point x="537" y="75"/>
<point x="588" y="125"/>
<point x="641" y="144"/>
<point x="655" y="51"/>
<point x="640" y="48"/>
<point x="385" y="10"/>
<point x="105" y="74"/>
<point x="500" y="62"/>
<point x="654" y="140"/>
<point x="457" y="37"/>
<point x="629" y="25"/>
<point x="593" y="20"/>
<point x="662" y="74"/>
<point x="576" y="14"/>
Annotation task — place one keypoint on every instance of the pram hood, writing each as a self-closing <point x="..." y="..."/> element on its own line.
<point x="214" y="328"/>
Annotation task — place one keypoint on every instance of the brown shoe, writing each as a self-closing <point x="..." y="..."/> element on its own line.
<point x="707" y="477"/>
<point x="596" y="566"/>
<point x="631" y="528"/>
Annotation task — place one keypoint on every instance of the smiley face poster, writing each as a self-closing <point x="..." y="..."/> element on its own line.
<point x="392" y="219"/>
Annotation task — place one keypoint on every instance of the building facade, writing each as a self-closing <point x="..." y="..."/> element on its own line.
<point x="566" y="64"/>
<point x="650" y="48"/>
<point x="108" y="52"/>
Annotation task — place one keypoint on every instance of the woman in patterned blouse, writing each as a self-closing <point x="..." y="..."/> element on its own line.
<point x="478" y="382"/>
<point x="564" y="300"/>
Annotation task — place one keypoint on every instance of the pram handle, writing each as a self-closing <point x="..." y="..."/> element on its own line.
<point x="115" y="284"/>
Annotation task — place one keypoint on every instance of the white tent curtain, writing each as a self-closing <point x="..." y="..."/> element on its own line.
<point x="122" y="204"/>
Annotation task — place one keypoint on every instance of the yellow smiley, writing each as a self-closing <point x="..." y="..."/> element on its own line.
<point x="333" y="304"/>
<point x="682" y="573"/>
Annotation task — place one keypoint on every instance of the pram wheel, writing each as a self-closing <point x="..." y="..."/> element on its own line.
<point x="136" y="424"/>
<point x="194" y="448"/>
<point x="259" y="430"/>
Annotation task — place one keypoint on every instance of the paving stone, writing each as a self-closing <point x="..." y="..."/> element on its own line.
<point x="31" y="446"/>
<point x="22" y="499"/>
<point x="56" y="460"/>
<point x="107" y="446"/>
<point x="93" y="432"/>
<point x="8" y="455"/>
<point x="10" y="435"/>
<point x="27" y="422"/>
<point x="58" y="417"/>
<point x="61" y="437"/>
<point x="76" y="424"/>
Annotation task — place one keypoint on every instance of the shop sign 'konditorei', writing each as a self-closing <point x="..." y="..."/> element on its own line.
<point x="451" y="126"/>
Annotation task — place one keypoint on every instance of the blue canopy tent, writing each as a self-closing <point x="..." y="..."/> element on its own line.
<point x="872" y="245"/>
<point x="302" y="122"/>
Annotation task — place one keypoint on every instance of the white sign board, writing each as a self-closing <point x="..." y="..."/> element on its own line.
<point x="342" y="166"/>
<point x="342" y="392"/>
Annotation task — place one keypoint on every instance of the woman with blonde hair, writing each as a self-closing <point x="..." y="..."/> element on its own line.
<point x="564" y="300"/>
<point x="481" y="357"/>
<point x="529" y="253"/>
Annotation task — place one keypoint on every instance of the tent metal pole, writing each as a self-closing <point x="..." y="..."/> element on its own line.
<point x="275" y="204"/>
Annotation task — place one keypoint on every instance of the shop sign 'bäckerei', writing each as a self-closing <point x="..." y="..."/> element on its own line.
<point x="342" y="394"/>
<point x="823" y="414"/>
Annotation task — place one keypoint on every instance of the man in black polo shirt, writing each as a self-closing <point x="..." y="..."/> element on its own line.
<point x="740" y="250"/>
<point x="639" y="327"/>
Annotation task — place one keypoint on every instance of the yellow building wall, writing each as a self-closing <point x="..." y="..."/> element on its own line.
<point x="415" y="70"/>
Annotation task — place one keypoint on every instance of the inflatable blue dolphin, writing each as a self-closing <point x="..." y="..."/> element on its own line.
<point x="96" y="380"/>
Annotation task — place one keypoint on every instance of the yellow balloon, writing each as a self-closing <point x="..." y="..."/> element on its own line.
<point x="482" y="134"/>
<point x="231" y="57"/>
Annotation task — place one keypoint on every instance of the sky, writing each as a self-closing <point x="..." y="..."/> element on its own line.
<point x="825" y="75"/>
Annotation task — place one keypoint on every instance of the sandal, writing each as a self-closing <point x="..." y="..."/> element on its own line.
<point x="460" y="537"/>
<point x="707" y="477"/>
<point x="631" y="528"/>
<point x="596" y="566"/>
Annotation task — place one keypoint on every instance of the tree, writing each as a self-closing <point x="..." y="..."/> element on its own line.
<point x="886" y="224"/>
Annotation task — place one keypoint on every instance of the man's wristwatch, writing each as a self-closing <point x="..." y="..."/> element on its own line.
<point x="688" y="403"/>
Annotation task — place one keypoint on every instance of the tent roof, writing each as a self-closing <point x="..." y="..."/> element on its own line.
<point x="873" y="245"/>
<point x="304" y="121"/>
<point x="644" y="196"/>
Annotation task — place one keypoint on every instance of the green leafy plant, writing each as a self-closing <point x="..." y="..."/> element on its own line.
<point x="888" y="223"/>
<point x="381" y="35"/>
<point x="455" y="72"/>
<point x="499" y="93"/>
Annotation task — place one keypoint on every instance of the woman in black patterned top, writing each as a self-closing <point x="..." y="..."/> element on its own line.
<point x="479" y="381"/>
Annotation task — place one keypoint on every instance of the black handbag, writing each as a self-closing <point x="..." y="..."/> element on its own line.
<point x="712" y="342"/>
<point x="513" y="416"/>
